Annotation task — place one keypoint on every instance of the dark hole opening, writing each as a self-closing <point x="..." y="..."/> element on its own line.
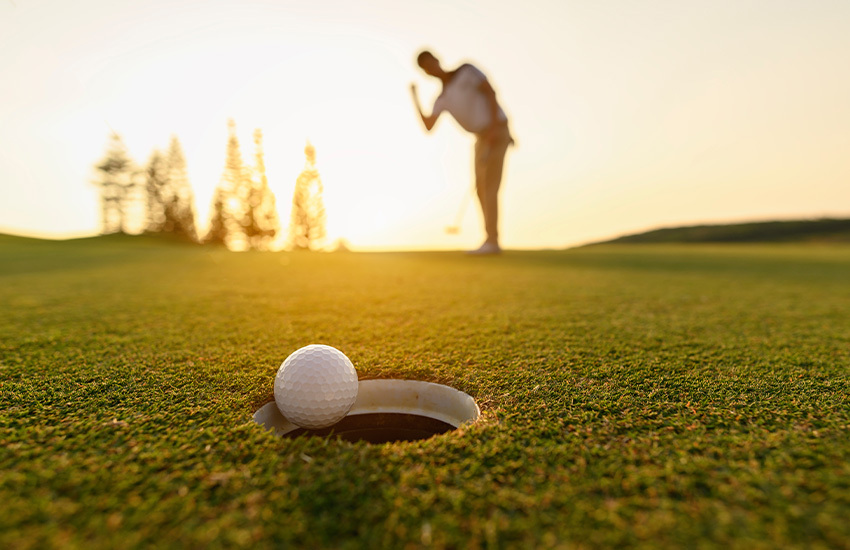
<point x="380" y="428"/>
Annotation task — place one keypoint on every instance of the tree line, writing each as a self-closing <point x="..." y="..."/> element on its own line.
<point x="158" y="198"/>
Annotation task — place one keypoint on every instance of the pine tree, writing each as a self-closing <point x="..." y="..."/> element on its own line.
<point x="260" y="222"/>
<point x="117" y="185"/>
<point x="156" y="183"/>
<point x="228" y="210"/>
<point x="170" y="201"/>
<point x="180" y="206"/>
<point x="217" y="232"/>
<point x="307" y="224"/>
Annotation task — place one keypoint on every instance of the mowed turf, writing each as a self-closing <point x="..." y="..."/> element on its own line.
<point x="632" y="396"/>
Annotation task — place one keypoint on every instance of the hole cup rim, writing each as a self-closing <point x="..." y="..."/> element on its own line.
<point x="392" y="396"/>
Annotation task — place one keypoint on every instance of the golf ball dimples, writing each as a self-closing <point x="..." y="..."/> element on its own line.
<point x="315" y="387"/>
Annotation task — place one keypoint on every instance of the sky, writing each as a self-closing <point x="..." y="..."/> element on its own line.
<point x="628" y="115"/>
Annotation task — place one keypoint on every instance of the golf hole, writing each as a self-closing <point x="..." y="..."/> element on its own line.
<point x="387" y="411"/>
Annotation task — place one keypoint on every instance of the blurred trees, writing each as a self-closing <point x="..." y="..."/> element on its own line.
<point x="170" y="200"/>
<point x="180" y="206"/>
<point x="243" y="213"/>
<point x="118" y="186"/>
<point x="226" y="211"/>
<point x="260" y="221"/>
<point x="217" y="232"/>
<point x="307" y="224"/>
<point x="156" y="180"/>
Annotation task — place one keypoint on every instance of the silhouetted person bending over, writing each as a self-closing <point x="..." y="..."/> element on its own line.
<point x="469" y="98"/>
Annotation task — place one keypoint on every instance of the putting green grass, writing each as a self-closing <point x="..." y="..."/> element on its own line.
<point x="632" y="396"/>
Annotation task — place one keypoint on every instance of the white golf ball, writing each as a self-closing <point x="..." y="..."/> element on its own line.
<point x="315" y="387"/>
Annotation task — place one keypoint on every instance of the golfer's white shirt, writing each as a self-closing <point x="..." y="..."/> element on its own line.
<point x="462" y="98"/>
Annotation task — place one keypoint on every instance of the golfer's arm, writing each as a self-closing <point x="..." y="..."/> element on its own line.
<point x="428" y="121"/>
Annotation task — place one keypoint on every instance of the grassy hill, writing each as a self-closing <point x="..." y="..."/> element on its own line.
<point x="650" y="396"/>
<point x="823" y="230"/>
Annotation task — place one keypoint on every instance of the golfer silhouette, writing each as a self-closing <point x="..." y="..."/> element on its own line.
<point x="468" y="96"/>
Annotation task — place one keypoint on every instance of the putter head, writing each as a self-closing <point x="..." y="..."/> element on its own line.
<point x="453" y="230"/>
